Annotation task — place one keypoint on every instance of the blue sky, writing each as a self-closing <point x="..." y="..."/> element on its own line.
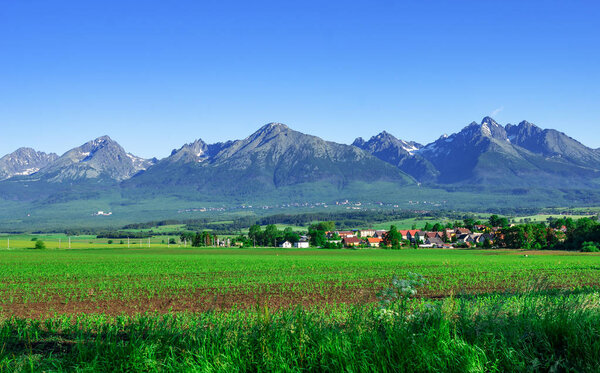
<point x="155" y="74"/>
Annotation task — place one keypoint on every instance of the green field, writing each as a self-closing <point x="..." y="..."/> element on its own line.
<point x="138" y="279"/>
<point x="112" y="308"/>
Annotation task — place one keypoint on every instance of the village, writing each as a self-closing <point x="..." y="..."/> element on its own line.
<point x="365" y="238"/>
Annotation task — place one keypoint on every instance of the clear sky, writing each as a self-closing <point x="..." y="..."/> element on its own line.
<point x="157" y="74"/>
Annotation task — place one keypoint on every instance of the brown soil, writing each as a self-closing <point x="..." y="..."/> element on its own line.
<point x="202" y="300"/>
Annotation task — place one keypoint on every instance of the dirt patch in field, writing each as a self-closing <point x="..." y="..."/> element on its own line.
<point x="274" y="296"/>
<point x="201" y="302"/>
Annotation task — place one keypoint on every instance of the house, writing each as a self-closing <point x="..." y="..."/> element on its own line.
<point x="380" y="233"/>
<point x="472" y="238"/>
<point x="351" y="241"/>
<point x="404" y="234"/>
<point x="286" y="245"/>
<point x="432" y="235"/>
<point x="410" y="235"/>
<point x="463" y="238"/>
<point x="374" y="242"/>
<point x="435" y="241"/>
<point x="367" y="232"/>
<point x="460" y="231"/>
<point x="486" y="236"/>
<point x="302" y="245"/>
<point x="420" y="236"/>
<point x="344" y="234"/>
<point x="449" y="233"/>
<point x="480" y="227"/>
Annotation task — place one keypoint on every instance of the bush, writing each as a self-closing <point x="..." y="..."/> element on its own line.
<point x="110" y="242"/>
<point x="590" y="247"/>
<point x="34" y="239"/>
<point x="40" y="245"/>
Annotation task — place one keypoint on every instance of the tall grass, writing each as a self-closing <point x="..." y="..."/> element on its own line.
<point x="530" y="332"/>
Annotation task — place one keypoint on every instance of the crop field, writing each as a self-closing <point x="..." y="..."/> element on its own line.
<point x="39" y="283"/>
<point x="113" y="308"/>
<point x="61" y="241"/>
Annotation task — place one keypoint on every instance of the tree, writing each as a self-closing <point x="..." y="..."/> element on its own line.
<point x="317" y="234"/>
<point x="40" y="245"/>
<point x="437" y="227"/>
<point x="290" y="236"/>
<point x="255" y="234"/>
<point x="271" y="235"/>
<point x="445" y="237"/>
<point x="469" y="223"/>
<point x="187" y="237"/>
<point x="515" y="238"/>
<point x="497" y="221"/>
<point x="392" y="238"/>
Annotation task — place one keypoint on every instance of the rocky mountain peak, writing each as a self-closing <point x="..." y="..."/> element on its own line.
<point x="489" y="121"/>
<point x="23" y="162"/>
<point x="273" y="127"/>
<point x="195" y="151"/>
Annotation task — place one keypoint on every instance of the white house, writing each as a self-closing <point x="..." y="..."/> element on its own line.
<point x="302" y="244"/>
<point x="286" y="245"/>
<point x="367" y="232"/>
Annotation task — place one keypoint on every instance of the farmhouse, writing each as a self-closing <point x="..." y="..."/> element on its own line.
<point x="374" y="242"/>
<point x="460" y="231"/>
<point x="351" y="241"/>
<point x="435" y="241"/>
<point x="432" y="235"/>
<point x="404" y="234"/>
<point x="380" y="233"/>
<point x="420" y="236"/>
<point x="302" y="245"/>
<point x="410" y="235"/>
<point x="286" y="245"/>
<point x="450" y="233"/>
<point x="367" y="232"/>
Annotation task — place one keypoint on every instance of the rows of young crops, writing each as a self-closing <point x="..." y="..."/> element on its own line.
<point x="527" y="332"/>
<point x="29" y="276"/>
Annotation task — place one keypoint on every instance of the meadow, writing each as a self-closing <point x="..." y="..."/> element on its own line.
<point x="218" y="309"/>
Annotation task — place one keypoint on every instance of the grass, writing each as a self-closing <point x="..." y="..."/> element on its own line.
<point x="530" y="332"/>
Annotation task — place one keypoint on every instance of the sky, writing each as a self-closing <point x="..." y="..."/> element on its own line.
<point x="154" y="75"/>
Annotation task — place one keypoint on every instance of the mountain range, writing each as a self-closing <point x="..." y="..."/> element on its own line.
<point x="487" y="153"/>
<point x="276" y="158"/>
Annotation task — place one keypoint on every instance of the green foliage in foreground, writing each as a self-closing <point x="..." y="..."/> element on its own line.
<point x="495" y="334"/>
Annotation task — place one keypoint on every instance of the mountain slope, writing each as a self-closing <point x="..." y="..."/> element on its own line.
<point x="102" y="159"/>
<point x="399" y="153"/>
<point x="483" y="154"/>
<point x="273" y="157"/>
<point x="552" y="144"/>
<point x="24" y="161"/>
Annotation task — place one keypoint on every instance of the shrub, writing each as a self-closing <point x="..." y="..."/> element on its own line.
<point x="40" y="245"/>
<point x="110" y="242"/>
<point x="590" y="247"/>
